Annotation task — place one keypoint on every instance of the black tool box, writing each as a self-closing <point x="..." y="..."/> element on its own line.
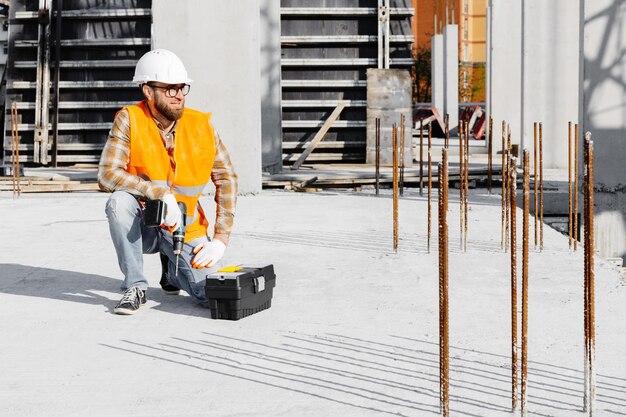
<point x="236" y="292"/>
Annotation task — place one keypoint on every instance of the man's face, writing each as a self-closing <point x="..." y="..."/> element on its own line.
<point x="171" y="107"/>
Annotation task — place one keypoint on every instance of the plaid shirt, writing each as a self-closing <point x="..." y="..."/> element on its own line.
<point x="112" y="173"/>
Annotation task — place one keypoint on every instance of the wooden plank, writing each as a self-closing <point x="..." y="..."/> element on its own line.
<point x="320" y="134"/>
<point x="24" y="182"/>
<point x="53" y="187"/>
<point x="340" y="144"/>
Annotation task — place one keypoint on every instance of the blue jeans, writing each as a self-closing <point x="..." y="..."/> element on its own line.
<point x="132" y="239"/>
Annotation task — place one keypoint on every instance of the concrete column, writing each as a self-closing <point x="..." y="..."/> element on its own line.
<point x="388" y="97"/>
<point x="550" y="75"/>
<point x="437" y="65"/>
<point x="271" y="116"/>
<point x="506" y="65"/>
<point x="219" y="44"/>
<point x="451" y="76"/>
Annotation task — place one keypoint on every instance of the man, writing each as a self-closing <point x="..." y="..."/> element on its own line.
<point x="160" y="150"/>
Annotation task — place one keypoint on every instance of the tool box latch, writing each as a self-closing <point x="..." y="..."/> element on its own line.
<point x="259" y="284"/>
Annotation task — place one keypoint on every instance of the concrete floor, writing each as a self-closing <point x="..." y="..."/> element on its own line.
<point x="353" y="329"/>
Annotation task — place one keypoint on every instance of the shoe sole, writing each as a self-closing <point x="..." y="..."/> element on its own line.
<point x="176" y="292"/>
<point x="125" y="311"/>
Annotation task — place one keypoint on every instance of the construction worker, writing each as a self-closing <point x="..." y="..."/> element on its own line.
<point x="158" y="149"/>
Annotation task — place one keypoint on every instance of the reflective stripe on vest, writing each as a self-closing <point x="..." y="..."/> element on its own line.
<point x="194" y="153"/>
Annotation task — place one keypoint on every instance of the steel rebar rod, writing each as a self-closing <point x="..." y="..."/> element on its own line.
<point x="525" y="232"/>
<point x="590" y="342"/>
<point x="402" y="131"/>
<point x="377" y="155"/>
<point x="541" y="186"/>
<point x="569" y="183"/>
<point x="15" y="142"/>
<point x="394" y="145"/>
<point x="430" y="183"/>
<point x="586" y="277"/>
<point x="536" y="182"/>
<point x="466" y="192"/>
<point x="461" y="184"/>
<point x="13" y="152"/>
<point x="509" y="165"/>
<point x="575" y="189"/>
<point x="447" y="131"/>
<point x="513" y="242"/>
<point x="421" y="157"/>
<point x="503" y="177"/>
<point x="490" y="155"/>
<point x="444" y="350"/>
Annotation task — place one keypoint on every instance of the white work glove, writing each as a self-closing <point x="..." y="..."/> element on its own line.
<point x="208" y="253"/>
<point x="173" y="215"/>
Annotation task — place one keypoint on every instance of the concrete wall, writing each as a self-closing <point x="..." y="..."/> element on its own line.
<point x="271" y="127"/>
<point x="604" y="115"/>
<point x="219" y="44"/>
<point x="534" y="73"/>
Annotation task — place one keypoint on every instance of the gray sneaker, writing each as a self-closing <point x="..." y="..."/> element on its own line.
<point x="133" y="298"/>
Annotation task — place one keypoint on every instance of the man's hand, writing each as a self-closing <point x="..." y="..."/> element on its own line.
<point x="173" y="216"/>
<point x="208" y="253"/>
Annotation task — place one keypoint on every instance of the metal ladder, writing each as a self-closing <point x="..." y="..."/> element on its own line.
<point x="69" y="71"/>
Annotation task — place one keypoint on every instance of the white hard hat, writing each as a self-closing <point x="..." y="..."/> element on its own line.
<point x="161" y="65"/>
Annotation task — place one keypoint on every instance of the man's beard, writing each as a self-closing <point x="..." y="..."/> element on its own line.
<point x="168" y="112"/>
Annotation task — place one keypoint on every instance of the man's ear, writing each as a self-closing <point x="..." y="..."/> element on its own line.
<point x="147" y="92"/>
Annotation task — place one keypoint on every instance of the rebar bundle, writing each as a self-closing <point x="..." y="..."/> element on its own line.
<point x="444" y="351"/>
<point x="589" y="282"/>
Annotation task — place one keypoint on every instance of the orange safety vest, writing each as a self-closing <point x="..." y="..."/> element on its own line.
<point x="194" y="154"/>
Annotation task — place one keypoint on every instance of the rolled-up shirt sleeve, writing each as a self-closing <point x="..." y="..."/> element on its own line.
<point x="225" y="179"/>
<point x="112" y="175"/>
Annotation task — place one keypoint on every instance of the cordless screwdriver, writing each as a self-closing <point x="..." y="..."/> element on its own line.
<point x="178" y="236"/>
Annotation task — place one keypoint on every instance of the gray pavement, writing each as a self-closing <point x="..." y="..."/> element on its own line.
<point x="353" y="329"/>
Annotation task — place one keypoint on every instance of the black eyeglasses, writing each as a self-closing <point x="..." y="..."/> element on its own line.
<point x="172" y="91"/>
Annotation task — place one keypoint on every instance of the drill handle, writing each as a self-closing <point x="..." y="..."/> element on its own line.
<point x="183" y="211"/>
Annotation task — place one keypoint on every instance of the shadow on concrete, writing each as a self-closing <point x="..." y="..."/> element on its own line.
<point x="281" y="367"/>
<point x="543" y="377"/>
<point x="369" y="241"/>
<point x="399" y="376"/>
<point x="83" y="288"/>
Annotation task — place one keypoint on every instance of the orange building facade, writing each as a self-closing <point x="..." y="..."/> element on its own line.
<point x="471" y="17"/>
